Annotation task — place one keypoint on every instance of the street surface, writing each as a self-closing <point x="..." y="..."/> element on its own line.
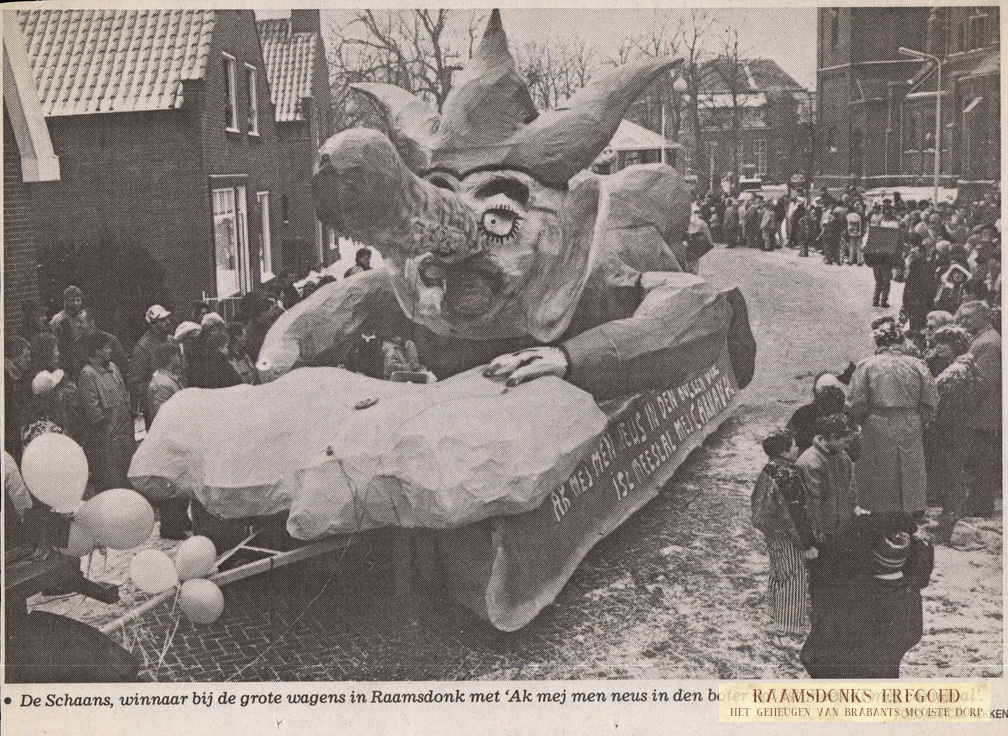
<point x="677" y="592"/>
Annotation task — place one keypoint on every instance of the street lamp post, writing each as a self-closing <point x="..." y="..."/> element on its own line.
<point x="938" y="119"/>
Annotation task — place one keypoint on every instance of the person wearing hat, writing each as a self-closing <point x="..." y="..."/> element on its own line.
<point x="212" y="322"/>
<point x="778" y="510"/>
<point x="828" y="476"/>
<point x="141" y="362"/>
<point x="66" y="325"/>
<point x="827" y="398"/>
<point x="867" y="611"/>
<point x="949" y="437"/>
<point x="105" y="407"/>
<point x="952" y="288"/>
<point x="892" y="395"/>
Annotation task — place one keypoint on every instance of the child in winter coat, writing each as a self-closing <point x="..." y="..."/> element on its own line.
<point x="778" y="510"/>
<point x="866" y="603"/>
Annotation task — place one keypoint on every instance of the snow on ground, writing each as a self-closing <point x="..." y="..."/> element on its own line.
<point x="677" y="592"/>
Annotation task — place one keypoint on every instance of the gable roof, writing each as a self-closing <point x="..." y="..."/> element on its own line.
<point x="99" y="61"/>
<point x="753" y="76"/>
<point x="290" y="61"/>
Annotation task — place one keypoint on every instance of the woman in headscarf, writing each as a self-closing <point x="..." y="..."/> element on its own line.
<point x="892" y="395"/>
<point x="827" y="398"/>
<point x="949" y="438"/>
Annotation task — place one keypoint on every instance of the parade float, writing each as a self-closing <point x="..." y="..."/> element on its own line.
<point x="579" y="357"/>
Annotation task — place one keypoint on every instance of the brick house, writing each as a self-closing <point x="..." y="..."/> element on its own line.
<point x="299" y="82"/>
<point x="168" y="147"/>
<point x="876" y="107"/>
<point x="29" y="161"/>
<point x="773" y="111"/>
<point x="773" y="120"/>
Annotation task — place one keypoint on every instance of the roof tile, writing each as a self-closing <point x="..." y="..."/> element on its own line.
<point x="96" y="61"/>
<point x="290" y="59"/>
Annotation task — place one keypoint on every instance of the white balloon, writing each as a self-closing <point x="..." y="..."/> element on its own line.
<point x="118" y="518"/>
<point x="201" y="601"/>
<point x="55" y="470"/>
<point x="153" y="571"/>
<point x="196" y="557"/>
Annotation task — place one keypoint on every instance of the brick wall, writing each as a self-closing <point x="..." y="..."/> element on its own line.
<point x="125" y="221"/>
<point x="20" y="282"/>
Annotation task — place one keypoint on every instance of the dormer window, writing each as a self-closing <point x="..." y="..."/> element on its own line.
<point x="231" y="90"/>
<point x="253" y="107"/>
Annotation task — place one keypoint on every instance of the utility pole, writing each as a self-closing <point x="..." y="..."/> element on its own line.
<point x="920" y="55"/>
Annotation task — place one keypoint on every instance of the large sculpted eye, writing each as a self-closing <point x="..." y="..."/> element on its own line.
<point x="500" y="222"/>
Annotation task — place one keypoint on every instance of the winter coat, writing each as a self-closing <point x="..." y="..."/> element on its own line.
<point x="778" y="504"/>
<point x="828" y="479"/>
<point x="863" y="626"/>
<point x="892" y="395"/>
<point x="986" y="351"/>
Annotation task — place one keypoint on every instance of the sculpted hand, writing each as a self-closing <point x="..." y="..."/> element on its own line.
<point x="528" y="364"/>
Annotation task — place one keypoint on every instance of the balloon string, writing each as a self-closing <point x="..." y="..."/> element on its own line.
<point x="168" y="642"/>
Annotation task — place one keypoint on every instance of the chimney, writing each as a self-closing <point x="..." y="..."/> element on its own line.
<point x="305" y="21"/>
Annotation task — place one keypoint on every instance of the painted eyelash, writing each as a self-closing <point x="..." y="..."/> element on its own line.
<point x="516" y="219"/>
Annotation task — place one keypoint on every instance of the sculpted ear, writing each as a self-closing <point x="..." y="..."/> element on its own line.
<point x="412" y="123"/>
<point x="560" y="143"/>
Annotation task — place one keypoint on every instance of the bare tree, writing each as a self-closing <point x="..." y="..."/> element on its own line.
<point x="554" y="70"/>
<point x="693" y="37"/>
<point x="418" y="50"/>
<point x="729" y="69"/>
<point x="662" y="103"/>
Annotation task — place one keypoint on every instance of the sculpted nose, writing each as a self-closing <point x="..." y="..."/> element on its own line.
<point x="364" y="190"/>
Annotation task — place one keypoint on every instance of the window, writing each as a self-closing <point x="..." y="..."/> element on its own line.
<point x="834" y="28"/>
<point x="231" y="90"/>
<point x="265" y="246"/>
<point x="253" y="108"/>
<point x="977" y="31"/>
<point x="761" y="159"/>
<point x="285" y="209"/>
<point x="231" y="241"/>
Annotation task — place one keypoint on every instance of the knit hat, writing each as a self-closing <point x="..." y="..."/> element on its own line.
<point x="889" y="555"/>
<point x="954" y="336"/>
<point x="187" y="329"/>
<point x="212" y="319"/>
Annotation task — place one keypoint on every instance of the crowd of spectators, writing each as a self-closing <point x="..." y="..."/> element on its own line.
<point x="889" y="456"/>
<point x="65" y="375"/>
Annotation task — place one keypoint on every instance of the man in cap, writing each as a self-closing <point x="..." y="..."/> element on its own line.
<point x="141" y="363"/>
<point x="66" y="326"/>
